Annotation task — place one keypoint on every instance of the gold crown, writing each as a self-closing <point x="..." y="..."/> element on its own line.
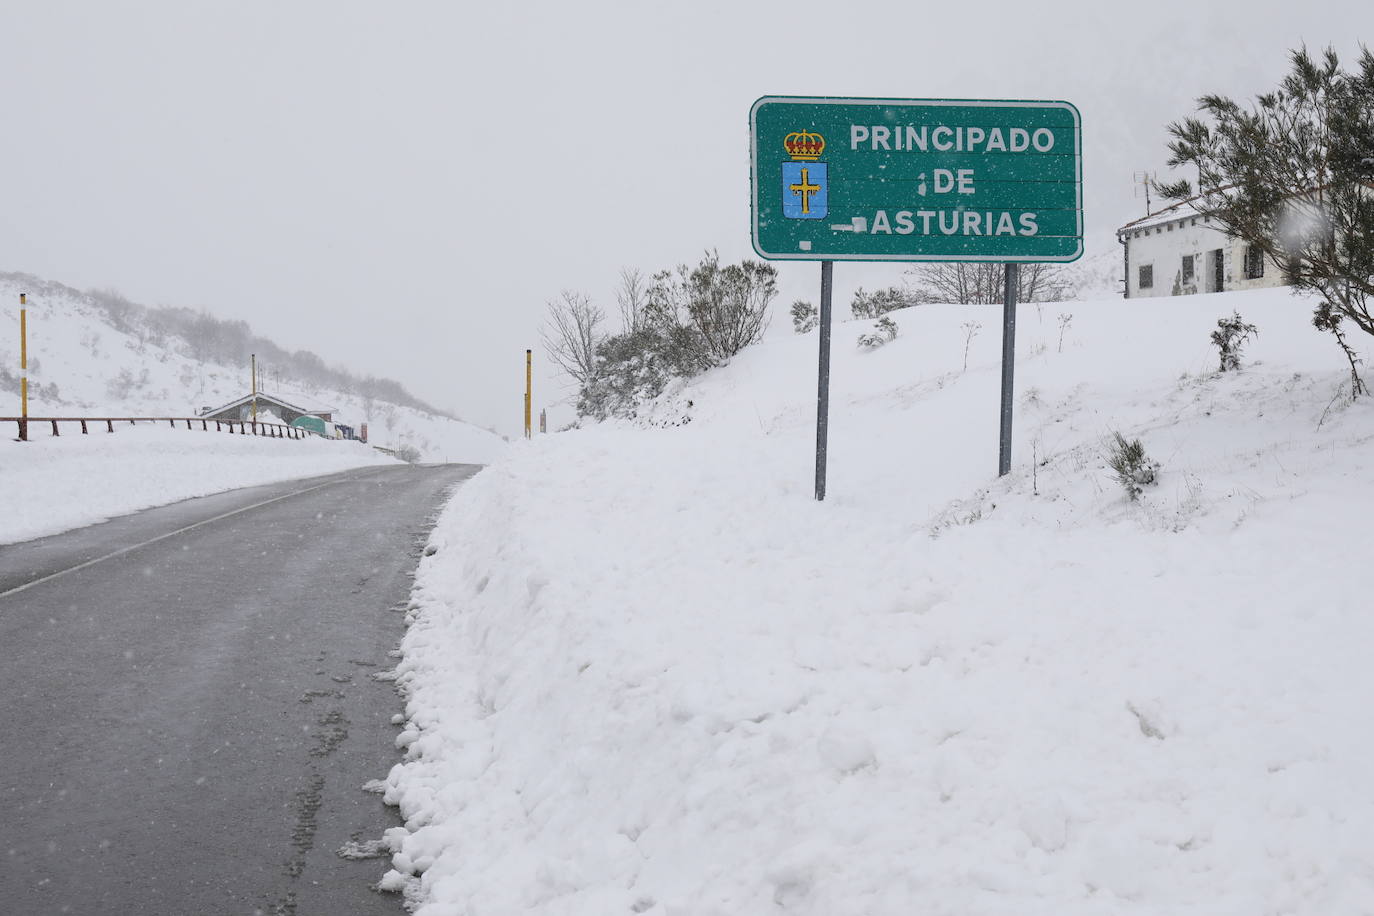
<point x="804" y="145"/>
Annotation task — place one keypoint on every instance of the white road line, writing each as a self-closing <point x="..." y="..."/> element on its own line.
<point x="162" y="537"/>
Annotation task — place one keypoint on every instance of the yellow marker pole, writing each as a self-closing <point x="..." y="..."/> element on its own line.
<point x="529" y="379"/>
<point x="23" y="368"/>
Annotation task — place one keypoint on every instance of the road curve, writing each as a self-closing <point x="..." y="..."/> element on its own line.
<point x="189" y="710"/>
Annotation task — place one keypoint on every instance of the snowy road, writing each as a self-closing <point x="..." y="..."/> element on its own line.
<point x="189" y="708"/>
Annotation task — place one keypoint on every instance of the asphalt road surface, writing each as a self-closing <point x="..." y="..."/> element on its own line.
<point x="188" y="702"/>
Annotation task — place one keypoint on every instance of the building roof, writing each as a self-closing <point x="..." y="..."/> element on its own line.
<point x="1186" y="208"/>
<point x="264" y="396"/>
<point x="1181" y="210"/>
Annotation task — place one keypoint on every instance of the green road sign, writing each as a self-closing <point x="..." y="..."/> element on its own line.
<point x="916" y="180"/>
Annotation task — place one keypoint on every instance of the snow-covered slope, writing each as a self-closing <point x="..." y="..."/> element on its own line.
<point x="1098" y="275"/>
<point x="80" y="364"/>
<point x="649" y="674"/>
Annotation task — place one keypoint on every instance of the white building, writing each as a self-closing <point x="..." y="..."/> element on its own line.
<point x="1176" y="252"/>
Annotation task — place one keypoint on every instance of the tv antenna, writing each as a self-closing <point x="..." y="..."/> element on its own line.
<point x="1143" y="182"/>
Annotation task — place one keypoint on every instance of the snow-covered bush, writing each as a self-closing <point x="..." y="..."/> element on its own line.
<point x="1133" y="469"/>
<point x="879" y="302"/>
<point x="1230" y="336"/>
<point x="725" y="306"/>
<point x="693" y="318"/>
<point x="884" y="332"/>
<point x="125" y="384"/>
<point x="804" y="316"/>
<point x="408" y="453"/>
<point x="635" y="367"/>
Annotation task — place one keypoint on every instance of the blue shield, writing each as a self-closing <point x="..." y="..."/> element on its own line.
<point x="805" y="193"/>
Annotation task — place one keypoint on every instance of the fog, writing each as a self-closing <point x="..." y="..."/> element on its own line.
<point x="401" y="187"/>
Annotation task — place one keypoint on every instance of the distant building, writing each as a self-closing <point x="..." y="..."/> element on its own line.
<point x="1177" y="252"/>
<point x="242" y="409"/>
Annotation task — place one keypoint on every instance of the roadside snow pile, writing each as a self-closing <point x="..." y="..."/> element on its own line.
<point x="648" y="674"/>
<point x="57" y="483"/>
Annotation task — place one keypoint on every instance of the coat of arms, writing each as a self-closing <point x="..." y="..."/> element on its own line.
<point x="804" y="188"/>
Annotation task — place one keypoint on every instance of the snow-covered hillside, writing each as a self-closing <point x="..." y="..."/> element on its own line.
<point x="1099" y="274"/>
<point x="80" y="364"/>
<point x="648" y="673"/>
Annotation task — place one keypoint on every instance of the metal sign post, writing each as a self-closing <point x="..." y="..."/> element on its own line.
<point x="823" y="379"/>
<point x="1008" y="366"/>
<point x="24" y="368"/>
<point x="529" y="388"/>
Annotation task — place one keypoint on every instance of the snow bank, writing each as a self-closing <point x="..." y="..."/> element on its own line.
<point x="54" y="484"/>
<point x="648" y="674"/>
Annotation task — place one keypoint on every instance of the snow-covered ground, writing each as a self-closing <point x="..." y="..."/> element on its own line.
<point x="647" y="673"/>
<point x="55" y="484"/>
<point x="82" y="365"/>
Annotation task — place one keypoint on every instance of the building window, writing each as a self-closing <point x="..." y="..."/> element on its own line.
<point x="1254" y="262"/>
<point x="1188" y="268"/>
<point x="1147" y="276"/>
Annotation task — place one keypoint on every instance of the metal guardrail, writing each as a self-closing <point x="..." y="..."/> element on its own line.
<point x="244" y="427"/>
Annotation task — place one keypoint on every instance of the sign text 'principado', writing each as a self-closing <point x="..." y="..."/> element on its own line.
<point x="916" y="180"/>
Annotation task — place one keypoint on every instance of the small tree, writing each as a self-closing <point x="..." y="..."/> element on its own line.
<point x="1293" y="176"/>
<point x="804" y="316"/>
<point x="727" y="307"/>
<point x="1230" y="336"/>
<point x="571" y="332"/>
<point x="1133" y="469"/>
<point x="730" y="304"/>
<point x="631" y="295"/>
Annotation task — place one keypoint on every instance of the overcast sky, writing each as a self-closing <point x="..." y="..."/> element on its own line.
<point x="401" y="186"/>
